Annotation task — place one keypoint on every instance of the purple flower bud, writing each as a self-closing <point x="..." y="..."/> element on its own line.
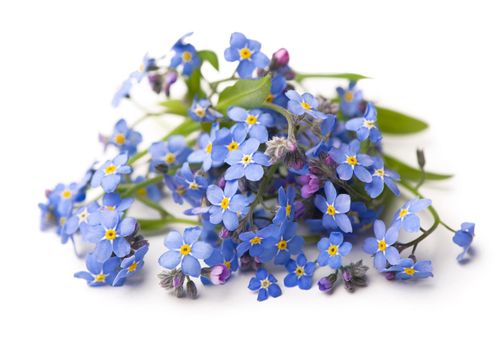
<point x="310" y="184"/>
<point x="178" y="281"/>
<point x="390" y="275"/>
<point x="169" y="79"/>
<point x="219" y="274"/>
<point x="324" y="284"/>
<point x="347" y="276"/>
<point x="224" y="233"/>
<point x="221" y="182"/>
<point x="281" y="58"/>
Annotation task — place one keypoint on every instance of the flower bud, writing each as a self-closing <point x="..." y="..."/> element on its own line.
<point x="169" y="79"/>
<point x="224" y="233"/>
<point x="219" y="274"/>
<point x="191" y="289"/>
<point x="280" y="58"/>
<point x="390" y="275"/>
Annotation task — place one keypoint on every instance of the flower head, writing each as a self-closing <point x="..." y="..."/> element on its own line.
<point x="226" y="205"/>
<point x="99" y="273"/>
<point x="124" y="138"/>
<point x="334" y="208"/>
<point x="205" y="152"/>
<point x="109" y="175"/>
<point x="174" y="151"/>
<point x="463" y="238"/>
<point x="255" y="121"/>
<point x="265" y="284"/>
<point x="300" y="272"/>
<point x="186" y="250"/>
<point x="259" y="244"/>
<point x="380" y="178"/>
<point x="131" y="265"/>
<point x="305" y="104"/>
<point x="381" y="247"/>
<point x="407" y="269"/>
<point x="406" y="217"/>
<point x="350" y="162"/>
<point x="286" y="208"/>
<point x="219" y="274"/>
<point x="246" y="161"/>
<point x="247" y="52"/>
<point x="365" y="126"/>
<point x="224" y="255"/>
<point x="185" y="55"/>
<point x="287" y="242"/>
<point x="201" y="111"/>
<point x="228" y="141"/>
<point x="350" y="99"/>
<point x="332" y="249"/>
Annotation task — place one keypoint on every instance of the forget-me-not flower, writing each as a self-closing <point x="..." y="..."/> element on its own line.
<point x="365" y="126"/>
<point x="247" y="52"/>
<point x="334" y="208"/>
<point x="380" y="178"/>
<point x="382" y="245"/>
<point x="265" y="284"/>
<point x="300" y="272"/>
<point x="254" y="120"/>
<point x="305" y="104"/>
<point x="351" y="162"/>
<point x="246" y="161"/>
<point x="406" y="217"/>
<point x="109" y="175"/>
<point x="332" y="249"/>
<point x="407" y="269"/>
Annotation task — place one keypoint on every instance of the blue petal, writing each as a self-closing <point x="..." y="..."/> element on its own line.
<point x="170" y="259"/>
<point x="190" y="266"/>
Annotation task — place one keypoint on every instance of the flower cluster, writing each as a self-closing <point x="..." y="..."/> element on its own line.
<point x="266" y="174"/>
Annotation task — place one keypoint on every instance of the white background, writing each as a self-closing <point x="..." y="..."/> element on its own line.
<point x="61" y="63"/>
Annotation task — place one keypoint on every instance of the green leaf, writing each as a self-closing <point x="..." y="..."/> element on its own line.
<point x="244" y="93"/>
<point x="209" y="56"/>
<point x="407" y="172"/>
<point x="349" y="76"/>
<point x="175" y="107"/>
<point x="392" y="122"/>
<point x="193" y="85"/>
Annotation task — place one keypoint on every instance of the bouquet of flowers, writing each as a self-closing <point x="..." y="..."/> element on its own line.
<point x="268" y="174"/>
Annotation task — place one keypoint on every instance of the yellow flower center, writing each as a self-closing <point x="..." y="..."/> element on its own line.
<point x="305" y="105"/>
<point x="208" y="148"/>
<point x="251" y="120"/>
<point x="225" y="203"/>
<point x="349" y="96"/>
<point x="299" y="271"/>
<point x="246" y="159"/>
<point x="332" y="250"/>
<point x="111" y="169"/>
<point x="282" y="244"/>
<point x="288" y="210"/>
<point x="187" y="57"/>
<point x="100" y="278"/>
<point x="193" y="186"/>
<point x="82" y="216"/>
<point x="269" y="98"/>
<point x="132" y="267"/>
<point x="351" y="160"/>
<point x="185" y="249"/>
<point x="110" y="234"/>
<point x="233" y="146"/>
<point x="110" y="207"/>
<point x="199" y="111"/>
<point x="368" y="124"/>
<point x="256" y="240"/>
<point x="379" y="172"/>
<point x="331" y="210"/>
<point x="409" y="271"/>
<point x="245" y="53"/>
<point x="62" y="221"/>
<point x="403" y="212"/>
<point x="227" y="264"/>
<point x="120" y="139"/>
<point x="66" y="194"/>
<point x="382" y="245"/>
<point x="265" y="283"/>
<point x="170" y="158"/>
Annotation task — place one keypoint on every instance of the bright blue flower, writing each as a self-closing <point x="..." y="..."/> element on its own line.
<point x="248" y="53"/>
<point x="80" y="221"/>
<point x="382" y="245"/>
<point x="185" y="55"/>
<point x="365" y="126"/>
<point x="63" y="197"/>
<point x="201" y="111"/>
<point x="300" y="273"/>
<point x="350" y="100"/>
<point x="225" y="254"/>
<point x="406" y="217"/>
<point x="228" y="141"/>
<point x="99" y="273"/>
<point x="332" y="249"/>
<point x="205" y="153"/>
<point x="246" y="161"/>
<point x="151" y="191"/>
<point x="407" y="269"/>
<point x="286" y="208"/>
<point x="287" y="243"/>
<point x="148" y="63"/>
<point x="114" y="202"/>
<point x="265" y="284"/>
<point x="259" y="244"/>
<point x="334" y="208"/>
<point x="109" y="175"/>
<point x="185" y="249"/>
<point x="123" y="92"/>
<point x="350" y="162"/>
<point x="463" y="238"/>
<point x="131" y="265"/>
<point x="277" y="91"/>
<point x="194" y="186"/>
<point x="124" y="138"/>
<point x="226" y="205"/>
<point x="110" y="235"/>
<point x="255" y="121"/>
<point x="380" y="178"/>
<point x="172" y="152"/>
<point x="305" y="104"/>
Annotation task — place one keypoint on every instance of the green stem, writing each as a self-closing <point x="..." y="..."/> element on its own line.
<point x="135" y="187"/>
<point x="158" y="224"/>
<point x="151" y="204"/>
<point x="288" y="116"/>
<point x="349" y="76"/>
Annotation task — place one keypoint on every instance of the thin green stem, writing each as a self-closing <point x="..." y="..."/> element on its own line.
<point x="135" y="187"/>
<point x="288" y="116"/>
<point x="151" y="204"/>
<point x="158" y="224"/>
<point x="349" y="76"/>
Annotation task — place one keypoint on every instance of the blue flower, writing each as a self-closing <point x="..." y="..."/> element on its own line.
<point x="246" y="161"/>
<point x="365" y="126"/>
<point x="350" y="100"/>
<point x="287" y="243"/>
<point x="407" y="269"/>
<point x="300" y="273"/>
<point x="380" y="178"/>
<point x="228" y="141"/>
<point x="185" y="249"/>
<point x="194" y="186"/>
<point x="463" y="238"/>
<point x="334" y="208"/>
<point x="382" y="245"/>
<point x="332" y="249"/>
<point x="185" y="55"/>
<point x="123" y="92"/>
<point x="254" y="120"/>
<point x="109" y="175"/>
<point x="63" y="197"/>
<point x="226" y="205"/>
<point x="286" y="209"/>
<point x="305" y="104"/>
<point x="406" y="217"/>
<point x="259" y="244"/>
<point x="148" y="63"/>
<point x="114" y="202"/>
<point x="80" y="221"/>
<point x="248" y="53"/>
<point x="110" y="235"/>
<point x="151" y="192"/>
<point x="350" y="162"/>
<point x="225" y="254"/>
<point x="205" y="153"/>
<point x="201" y="111"/>
<point x="131" y="265"/>
<point x="265" y="284"/>
<point x="172" y="152"/>
<point x="99" y="273"/>
<point x="124" y="138"/>
<point x="277" y="91"/>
